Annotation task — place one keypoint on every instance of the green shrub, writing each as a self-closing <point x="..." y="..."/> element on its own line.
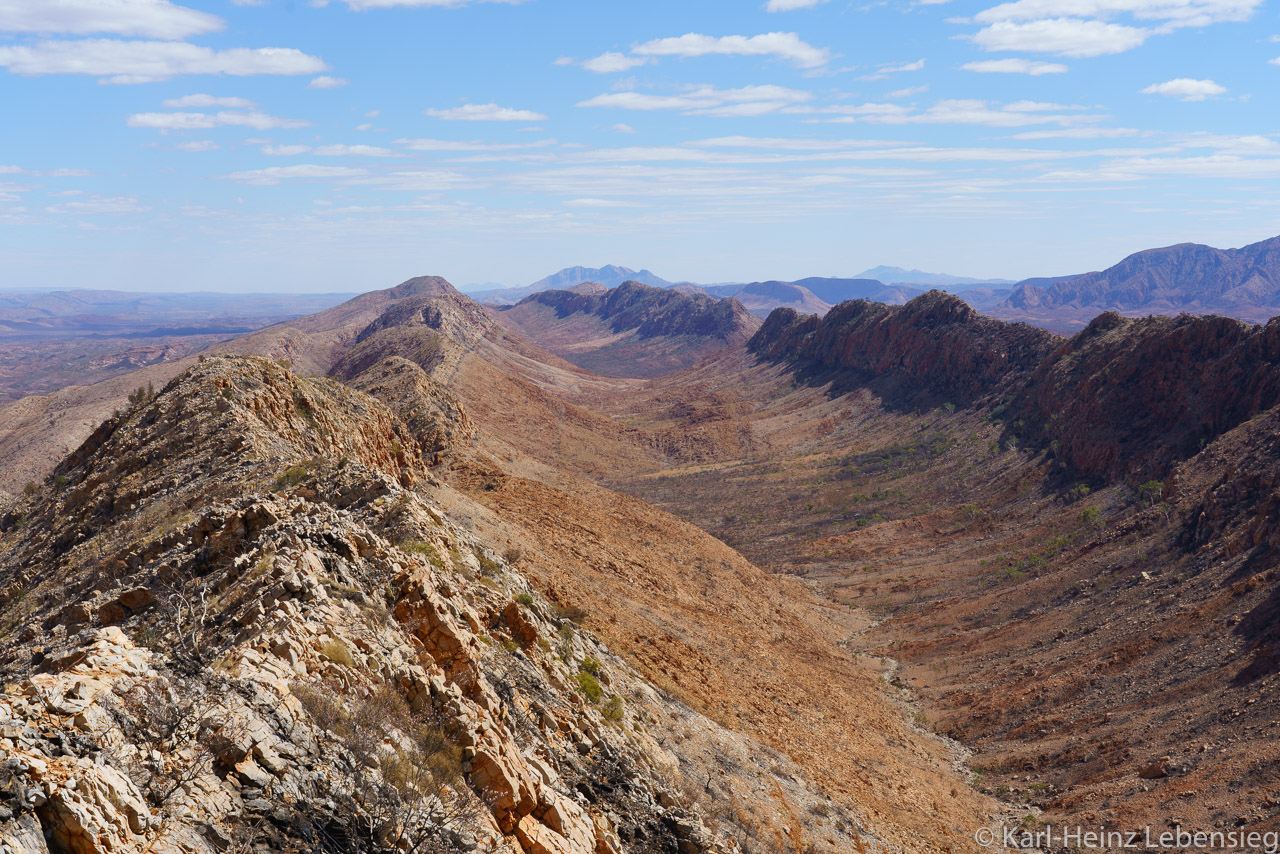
<point x="589" y="686"/>
<point x="613" y="710"/>
<point x="525" y="599"/>
<point x="292" y="476"/>
<point x="1090" y="516"/>
<point x="590" y="665"/>
<point x="488" y="566"/>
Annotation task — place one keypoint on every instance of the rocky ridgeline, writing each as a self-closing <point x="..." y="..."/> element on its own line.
<point x="1121" y="399"/>
<point x="231" y="623"/>
<point x="654" y="312"/>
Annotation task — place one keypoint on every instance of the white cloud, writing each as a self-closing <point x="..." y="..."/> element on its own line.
<point x="472" y="145"/>
<point x="354" y="151"/>
<point x="1076" y="133"/>
<point x="364" y="127"/>
<point x="622" y="128"/>
<point x="1062" y="36"/>
<point x="565" y="60"/>
<point x="149" y="61"/>
<point x="324" y="81"/>
<point x="99" y="205"/>
<point x="205" y="121"/>
<point x="485" y="113"/>
<point x="275" y="174"/>
<point x="361" y="5"/>
<point x="597" y="203"/>
<point x="1275" y="61"/>
<point x="1015" y="66"/>
<point x="790" y="5"/>
<point x="892" y="68"/>
<point x="148" y="18"/>
<point x="908" y="92"/>
<point x="707" y="100"/>
<point x="206" y="101"/>
<point x="1175" y="13"/>
<point x="1186" y="89"/>
<point x="786" y="46"/>
<point x="285" y="150"/>
<point x="964" y="111"/>
<point x="612" y="62"/>
<point x="197" y="145"/>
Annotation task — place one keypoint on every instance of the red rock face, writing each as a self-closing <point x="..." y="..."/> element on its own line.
<point x="1128" y="398"/>
<point x="1122" y="399"/>
<point x="935" y="349"/>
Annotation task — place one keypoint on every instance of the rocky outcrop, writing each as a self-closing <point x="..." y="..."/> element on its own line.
<point x="652" y="312"/>
<point x="1129" y="398"/>
<point x="632" y="330"/>
<point x="932" y="350"/>
<point x="262" y="633"/>
<point x="1122" y="399"/>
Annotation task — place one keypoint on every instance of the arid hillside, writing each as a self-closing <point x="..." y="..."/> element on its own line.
<point x="1059" y="552"/>
<point x="1073" y="557"/>
<point x="746" y="721"/>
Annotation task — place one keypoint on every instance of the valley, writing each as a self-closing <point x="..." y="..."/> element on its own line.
<point x="836" y="538"/>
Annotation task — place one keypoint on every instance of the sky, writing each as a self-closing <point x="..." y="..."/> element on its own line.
<point x="344" y="145"/>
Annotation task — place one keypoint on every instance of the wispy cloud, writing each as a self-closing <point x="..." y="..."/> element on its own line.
<point x="99" y="205"/>
<point x="784" y="46"/>
<point x="470" y="145"/>
<point x="1186" y="89"/>
<point x="1015" y="66"/>
<point x="354" y="151"/>
<point x="1061" y="36"/>
<point x="362" y="5"/>
<point x="894" y="68"/>
<point x="485" y="113"/>
<point x="326" y="82"/>
<point x="707" y="100"/>
<point x="791" y="5"/>
<point x="205" y="121"/>
<point x="207" y="101"/>
<point x="964" y="111"/>
<point x="149" y="61"/>
<point x="303" y="171"/>
<point x="157" y="19"/>
<point x="613" y="62"/>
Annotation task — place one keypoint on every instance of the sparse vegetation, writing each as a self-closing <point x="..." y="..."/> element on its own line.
<point x="337" y="652"/>
<point x="292" y="476"/>
<point x="589" y="686"/>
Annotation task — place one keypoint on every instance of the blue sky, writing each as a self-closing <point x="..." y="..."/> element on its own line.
<point x="265" y="145"/>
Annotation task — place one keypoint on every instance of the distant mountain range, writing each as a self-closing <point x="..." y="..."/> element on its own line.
<point x="610" y="276"/>
<point x="941" y="281"/>
<point x="1187" y="278"/>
